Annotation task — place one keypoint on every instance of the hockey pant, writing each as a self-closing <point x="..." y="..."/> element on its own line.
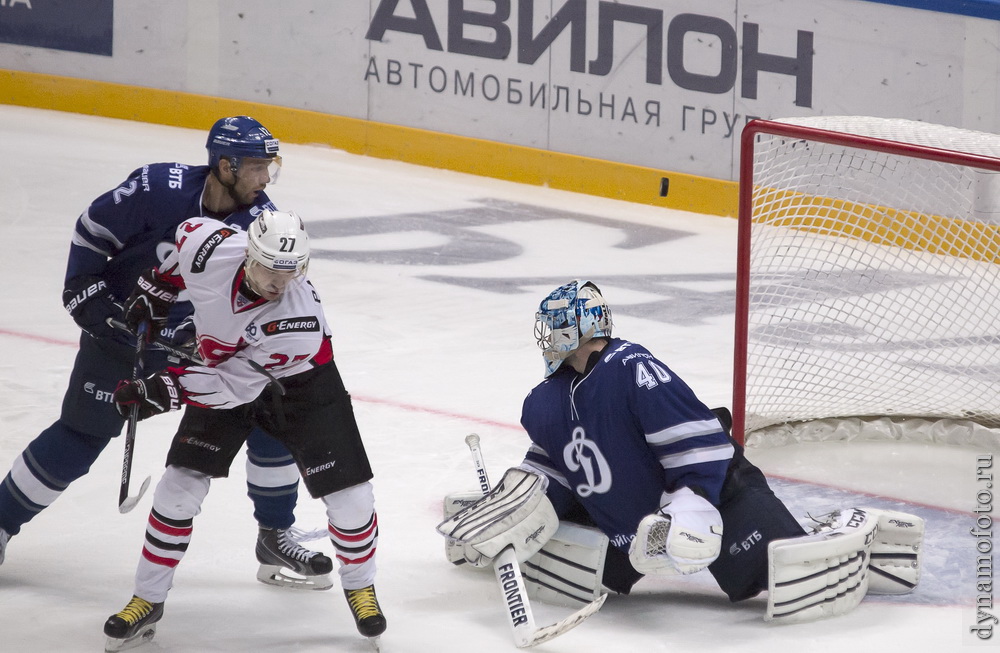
<point x="66" y="450"/>
<point x="177" y="499"/>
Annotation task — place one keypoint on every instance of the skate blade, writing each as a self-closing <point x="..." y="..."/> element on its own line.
<point x="376" y="644"/>
<point x="142" y="637"/>
<point x="281" y="577"/>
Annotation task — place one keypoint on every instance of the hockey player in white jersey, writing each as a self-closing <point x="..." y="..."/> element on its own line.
<point x="622" y="447"/>
<point x="268" y="362"/>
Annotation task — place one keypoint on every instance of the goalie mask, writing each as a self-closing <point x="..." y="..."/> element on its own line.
<point x="277" y="252"/>
<point x="241" y="137"/>
<point x="568" y="318"/>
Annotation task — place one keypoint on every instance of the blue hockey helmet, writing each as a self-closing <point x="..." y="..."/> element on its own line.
<point x="241" y="136"/>
<point x="568" y="318"/>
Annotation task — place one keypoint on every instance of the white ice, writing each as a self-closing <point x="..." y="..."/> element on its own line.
<point x="427" y="362"/>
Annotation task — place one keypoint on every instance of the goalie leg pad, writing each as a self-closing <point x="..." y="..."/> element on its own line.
<point x="895" y="564"/>
<point x="824" y="574"/>
<point x="515" y="513"/>
<point x="567" y="571"/>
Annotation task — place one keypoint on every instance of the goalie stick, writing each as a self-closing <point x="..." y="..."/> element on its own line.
<point x="125" y="502"/>
<point x="508" y="573"/>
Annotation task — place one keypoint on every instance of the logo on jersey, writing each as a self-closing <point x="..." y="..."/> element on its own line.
<point x="213" y="241"/>
<point x="290" y="325"/>
<point x="582" y="454"/>
<point x="251" y="332"/>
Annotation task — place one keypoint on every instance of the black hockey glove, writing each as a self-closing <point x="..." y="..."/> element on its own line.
<point x="90" y="303"/>
<point x="184" y="336"/>
<point x="149" y="302"/>
<point x="157" y="393"/>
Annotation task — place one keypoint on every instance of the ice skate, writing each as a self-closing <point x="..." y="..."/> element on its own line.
<point x="367" y="613"/>
<point x="284" y="563"/>
<point x="4" y="538"/>
<point x="133" y="626"/>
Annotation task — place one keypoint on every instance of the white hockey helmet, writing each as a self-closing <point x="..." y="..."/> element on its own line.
<point x="569" y="317"/>
<point x="278" y="241"/>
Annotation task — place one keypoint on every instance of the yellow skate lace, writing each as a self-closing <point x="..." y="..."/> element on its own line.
<point x="135" y="610"/>
<point x="363" y="602"/>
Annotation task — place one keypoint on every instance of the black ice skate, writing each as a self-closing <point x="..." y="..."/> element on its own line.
<point x="278" y="555"/>
<point x="367" y="614"/>
<point x="134" y="625"/>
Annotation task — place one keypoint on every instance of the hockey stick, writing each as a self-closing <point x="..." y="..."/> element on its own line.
<point x="191" y="356"/>
<point x="125" y="502"/>
<point x="508" y="573"/>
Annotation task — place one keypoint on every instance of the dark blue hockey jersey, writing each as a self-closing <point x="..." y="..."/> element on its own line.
<point x="129" y="229"/>
<point x="614" y="439"/>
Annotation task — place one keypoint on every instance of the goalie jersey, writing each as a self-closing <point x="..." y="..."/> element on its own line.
<point x="615" y="438"/>
<point x="240" y="334"/>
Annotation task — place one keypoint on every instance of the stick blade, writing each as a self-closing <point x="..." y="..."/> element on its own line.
<point x="545" y="633"/>
<point x="130" y="502"/>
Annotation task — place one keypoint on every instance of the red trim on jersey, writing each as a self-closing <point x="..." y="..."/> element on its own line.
<point x="234" y="293"/>
<point x="172" y="277"/>
<point x="325" y="353"/>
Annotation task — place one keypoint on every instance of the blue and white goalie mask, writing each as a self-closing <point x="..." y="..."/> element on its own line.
<point x="568" y="318"/>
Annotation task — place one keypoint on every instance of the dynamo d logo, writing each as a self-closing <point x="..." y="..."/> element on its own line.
<point x="582" y="454"/>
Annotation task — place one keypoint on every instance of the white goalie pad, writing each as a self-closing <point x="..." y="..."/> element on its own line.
<point x="515" y="513"/>
<point x="453" y="503"/>
<point x="896" y="553"/>
<point x="824" y="574"/>
<point x="568" y="570"/>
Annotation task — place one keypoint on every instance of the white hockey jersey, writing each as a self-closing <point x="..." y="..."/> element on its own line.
<point x="286" y="336"/>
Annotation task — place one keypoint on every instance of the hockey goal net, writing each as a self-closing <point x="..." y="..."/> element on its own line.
<point x="868" y="283"/>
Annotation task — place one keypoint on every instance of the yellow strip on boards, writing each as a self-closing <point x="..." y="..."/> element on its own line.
<point x="879" y="225"/>
<point x="460" y="153"/>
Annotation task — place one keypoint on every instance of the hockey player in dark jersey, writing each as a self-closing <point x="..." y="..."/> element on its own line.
<point x="123" y="232"/>
<point x="625" y="447"/>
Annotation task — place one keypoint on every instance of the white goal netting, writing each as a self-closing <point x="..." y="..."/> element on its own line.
<point x="870" y="281"/>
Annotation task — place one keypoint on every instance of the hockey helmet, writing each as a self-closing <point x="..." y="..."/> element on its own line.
<point x="571" y="315"/>
<point x="278" y="241"/>
<point x="237" y="137"/>
<point x="277" y="252"/>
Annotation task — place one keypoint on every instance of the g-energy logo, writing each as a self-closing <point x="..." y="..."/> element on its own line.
<point x="213" y="241"/>
<point x="292" y="324"/>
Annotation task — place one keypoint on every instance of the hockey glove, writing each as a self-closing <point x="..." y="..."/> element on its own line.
<point x="90" y="303"/>
<point x="682" y="537"/>
<point x="149" y="302"/>
<point x="185" y="338"/>
<point x="157" y="393"/>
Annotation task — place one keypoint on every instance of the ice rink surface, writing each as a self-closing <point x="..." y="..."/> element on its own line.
<point x="430" y="280"/>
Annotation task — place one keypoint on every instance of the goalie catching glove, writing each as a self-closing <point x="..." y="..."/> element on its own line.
<point x="157" y="393"/>
<point x="682" y="537"/>
<point x="150" y="302"/>
<point x="515" y="513"/>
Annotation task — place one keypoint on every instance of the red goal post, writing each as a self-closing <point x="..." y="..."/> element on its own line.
<point x="868" y="282"/>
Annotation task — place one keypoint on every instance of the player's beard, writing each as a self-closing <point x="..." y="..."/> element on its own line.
<point x="243" y="200"/>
